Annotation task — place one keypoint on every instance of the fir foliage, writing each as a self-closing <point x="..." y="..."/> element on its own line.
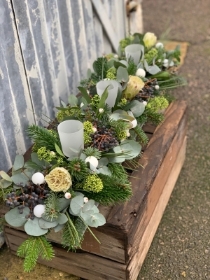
<point x="118" y="172"/>
<point x="90" y="151"/>
<point x="113" y="191"/>
<point x="78" y="169"/>
<point x="71" y="237"/>
<point x="100" y="67"/>
<point x="131" y="67"/>
<point x="32" y="248"/>
<point x="43" y="137"/>
<point x="154" y="117"/>
<point x="51" y="207"/>
<point x="141" y="135"/>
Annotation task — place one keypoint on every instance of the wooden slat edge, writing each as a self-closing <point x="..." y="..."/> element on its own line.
<point x="138" y="259"/>
<point x="121" y="216"/>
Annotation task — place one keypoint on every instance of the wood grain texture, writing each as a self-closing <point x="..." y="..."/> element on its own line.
<point x="81" y="264"/>
<point x="138" y="258"/>
<point x="123" y="216"/>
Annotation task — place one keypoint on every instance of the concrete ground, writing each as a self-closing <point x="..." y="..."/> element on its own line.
<point x="181" y="247"/>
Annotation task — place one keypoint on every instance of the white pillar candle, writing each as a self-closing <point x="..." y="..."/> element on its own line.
<point x="72" y="137"/>
<point x="133" y="51"/>
<point x="113" y="87"/>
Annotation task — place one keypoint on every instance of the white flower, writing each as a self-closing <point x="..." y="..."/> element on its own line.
<point x="93" y="162"/>
<point x="140" y="72"/>
<point x="145" y="103"/>
<point x="149" y="39"/>
<point x="58" y="179"/>
<point x="67" y="195"/>
<point x="39" y="210"/>
<point x="157" y="87"/>
<point x="85" y="199"/>
<point x="38" y="178"/>
<point x="159" y="45"/>
<point x="101" y="110"/>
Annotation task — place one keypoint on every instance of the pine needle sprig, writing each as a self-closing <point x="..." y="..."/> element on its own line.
<point x="91" y="151"/>
<point x="141" y="135"/>
<point x="43" y="137"/>
<point x="52" y="210"/>
<point x="131" y="67"/>
<point x="154" y="117"/>
<point x="32" y="248"/>
<point x="70" y="237"/>
<point x="78" y="169"/>
<point x="113" y="191"/>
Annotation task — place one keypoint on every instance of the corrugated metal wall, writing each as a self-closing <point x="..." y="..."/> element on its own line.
<point x="46" y="48"/>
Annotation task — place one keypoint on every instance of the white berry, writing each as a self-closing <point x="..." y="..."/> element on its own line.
<point x="157" y="87"/>
<point x="145" y="103"/>
<point x="67" y="195"/>
<point x="140" y="72"/>
<point x="159" y="45"/>
<point x="39" y="210"/>
<point x="38" y="178"/>
<point x="85" y="199"/>
<point x="101" y="110"/>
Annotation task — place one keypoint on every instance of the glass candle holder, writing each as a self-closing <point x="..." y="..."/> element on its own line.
<point x="113" y="87"/>
<point x="133" y="51"/>
<point x="71" y="134"/>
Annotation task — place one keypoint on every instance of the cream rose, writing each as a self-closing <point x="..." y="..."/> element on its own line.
<point x="59" y="179"/>
<point x="149" y="39"/>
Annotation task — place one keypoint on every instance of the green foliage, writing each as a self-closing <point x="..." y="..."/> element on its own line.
<point x="120" y="128"/>
<point x="155" y="118"/>
<point x="100" y="67"/>
<point x="141" y="136"/>
<point x="65" y="113"/>
<point x="157" y="103"/>
<point x="93" y="184"/>
<point x="132" y="67"/>
<point x="125" y="42"/>
<point x="151" y="55"/>
<point x="44" y="154"/>
<point x="90" y="151"/>
<point x="172" y="82"/>
<point x="118" y="172"/>
<point x="78" y="169"/>
<point x="113" y="191"/>
<point x="32" y="248"/>
<point x="71" y="237"/>
<point x="43" y="137"/>
<point x="51" y="207"/>
<point x="111" y="73"/>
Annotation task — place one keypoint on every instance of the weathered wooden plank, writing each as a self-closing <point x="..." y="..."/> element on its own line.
<point x="122" y="216"/>
<point x="81" y="264"/>
<point x="137" y="229"/>
<point x="15" y="107"/>
<point x="146" y="240"/>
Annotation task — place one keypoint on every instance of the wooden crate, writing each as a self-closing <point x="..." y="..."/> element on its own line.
<point x="130" y="228"/>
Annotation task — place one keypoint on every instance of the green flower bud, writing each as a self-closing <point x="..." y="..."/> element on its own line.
<point x="93" y="184"/>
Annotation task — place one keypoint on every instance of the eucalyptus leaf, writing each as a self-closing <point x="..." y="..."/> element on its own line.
<point x="95" y="209"/>
<point x="48" y="219"/>
<point x="62" y="219"/>
<point x="63" y="203"/>
<point x="19" y="162"/>
<point x="32" y="228"/>
<point x="96" y="220"/>
<point x="121" y="115"/>
<point x="15" y="219"/>
<point x="122" y="74"/>
<point x="102" y="162"/>
<point x="5" y="176"/>
<point x="154" y="69"/>
<point x="32" y="165"/>
<point x="58" y="228"/>
<point x="34" y="158"/>
<point x="137" y="108"/>
<point x="104" y="170"/>
<point x="46" y="225"/>
<point x="62" y="103"/>
<point x="20" y="178"/>
<point x="72" y="99"/>
<point x="77" y="204"/>
<point x="122" y="63"/>
<point x="4" y="183"/>
<point x="131" y="148"/>
<point x="88" y="206"/>
<point x="86" y="216"/>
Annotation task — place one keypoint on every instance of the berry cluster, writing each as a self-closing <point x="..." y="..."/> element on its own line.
<point x="29" y="196"/>
<point x="104" y="139"/>
<point x="149" y="89"/>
